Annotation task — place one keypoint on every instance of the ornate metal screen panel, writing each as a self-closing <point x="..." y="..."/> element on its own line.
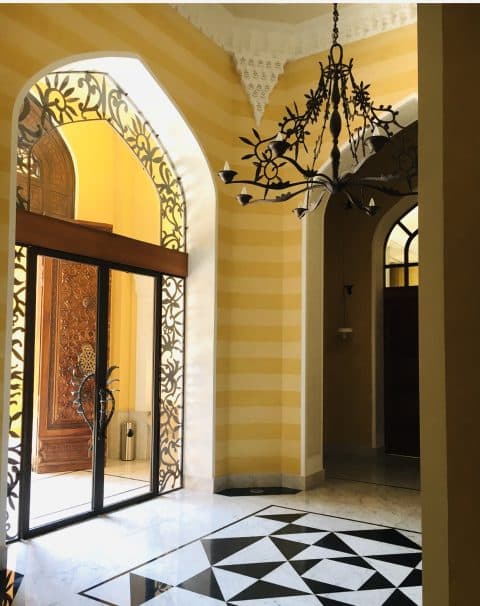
<point x="62" y="98"/>
<point x="171" y="382"/>
<point x="16" y="390"/>
<point x="67" y="97"/>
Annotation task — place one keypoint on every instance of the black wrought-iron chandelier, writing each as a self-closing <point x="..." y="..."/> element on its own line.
<point x="339" y="101"/>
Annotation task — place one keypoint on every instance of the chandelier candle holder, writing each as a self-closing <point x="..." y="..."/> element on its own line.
<point x="338" y="103"/>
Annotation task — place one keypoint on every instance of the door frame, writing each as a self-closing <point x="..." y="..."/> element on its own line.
<point x="42" y="235"/>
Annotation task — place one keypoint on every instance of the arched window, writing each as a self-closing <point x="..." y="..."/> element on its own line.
<point x="401" y="251"/>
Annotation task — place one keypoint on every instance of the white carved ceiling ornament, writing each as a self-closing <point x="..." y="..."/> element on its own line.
<point x="259" y="74"/>
<point x="261" y="48"/>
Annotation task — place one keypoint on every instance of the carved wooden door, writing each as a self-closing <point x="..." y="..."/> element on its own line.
<point x="66" y="335"/>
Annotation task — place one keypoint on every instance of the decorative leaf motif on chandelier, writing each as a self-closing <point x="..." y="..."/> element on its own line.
<point x="338" y="101"/>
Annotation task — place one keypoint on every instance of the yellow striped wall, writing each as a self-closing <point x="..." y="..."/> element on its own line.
<point x="199" y="77"/>
<point x="259" y="248"/>
<point x="260" y="292"/>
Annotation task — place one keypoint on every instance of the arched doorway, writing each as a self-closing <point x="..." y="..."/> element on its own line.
<point x="313" y="311"/>
<point x="352" y="401"/>
<point x="96" y="270"/>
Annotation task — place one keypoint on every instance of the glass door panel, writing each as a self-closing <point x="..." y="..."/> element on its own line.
<point x="64" y="389"/>
<point x="131" y="358"/>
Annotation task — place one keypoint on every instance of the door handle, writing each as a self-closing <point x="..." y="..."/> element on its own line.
<point x="79" y="400"/>
<point x="106" y="402"/>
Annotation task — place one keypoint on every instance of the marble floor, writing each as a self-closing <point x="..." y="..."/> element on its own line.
<point x="374" y="467"/>
<point x="168" y="552"/>
<point x="55" y="496"/>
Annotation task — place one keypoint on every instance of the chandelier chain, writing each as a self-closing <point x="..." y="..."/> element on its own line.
<point x="335" y="24"/>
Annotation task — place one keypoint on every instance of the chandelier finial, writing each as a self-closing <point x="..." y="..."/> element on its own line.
<point x="335" y="24"/>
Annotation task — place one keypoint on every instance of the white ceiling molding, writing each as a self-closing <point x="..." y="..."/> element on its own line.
<point x="263" y="47"/>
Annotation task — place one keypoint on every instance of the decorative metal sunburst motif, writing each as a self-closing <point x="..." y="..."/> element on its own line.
<point x="67" y="97"/>
<point x="57" y="98"/>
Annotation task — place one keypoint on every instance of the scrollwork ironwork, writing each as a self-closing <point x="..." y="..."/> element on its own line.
<point x="64" y="98"/>
<point x="16" y="390"/>
<point x="67" y="97"/>
<point x="171" y="382"/>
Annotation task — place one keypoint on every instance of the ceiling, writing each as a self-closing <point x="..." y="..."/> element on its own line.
<point x="280" y="13"/>
<point x="263" y="37"/>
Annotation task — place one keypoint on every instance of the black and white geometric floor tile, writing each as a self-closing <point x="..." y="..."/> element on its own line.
<point x="10" y="581"/>
<point x="279" y="557"/>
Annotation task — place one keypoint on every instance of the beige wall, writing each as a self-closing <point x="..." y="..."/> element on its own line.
<point x="260" y="394"/>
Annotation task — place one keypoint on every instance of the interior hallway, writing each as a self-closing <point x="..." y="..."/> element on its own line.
<point x="61" y="564"/>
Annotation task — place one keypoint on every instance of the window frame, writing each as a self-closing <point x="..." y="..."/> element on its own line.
<point x="406" y="265"/>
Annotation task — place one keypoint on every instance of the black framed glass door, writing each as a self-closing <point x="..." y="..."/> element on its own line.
<point x="91" y="401"/>
<point x="131" y="363"/>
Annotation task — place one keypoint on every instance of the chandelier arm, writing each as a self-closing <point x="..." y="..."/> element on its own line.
<point x="307" y="173"/>
<point x="279" y="186"/>
<point x="382" y="188"/>
<point x="379" y="179"/>
<point x="352" y="200"/>
<point x="283" y="197"/>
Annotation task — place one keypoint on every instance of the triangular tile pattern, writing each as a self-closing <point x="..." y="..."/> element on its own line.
<point x="10" y="581"/>
<point x="143" y="589"/>
<point x="356" y="565"/>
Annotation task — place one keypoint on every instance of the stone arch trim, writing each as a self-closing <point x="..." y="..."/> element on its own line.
<point x="77" y="96"/>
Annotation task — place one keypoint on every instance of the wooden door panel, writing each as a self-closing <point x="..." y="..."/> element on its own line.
<point x="66" y="333"/>
<point x="401" y="383"/>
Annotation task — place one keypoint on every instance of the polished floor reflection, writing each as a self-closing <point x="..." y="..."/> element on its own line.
<point x="56" y="496"/>
<point x="374" y="467"/>
<point x="60" y="565"/>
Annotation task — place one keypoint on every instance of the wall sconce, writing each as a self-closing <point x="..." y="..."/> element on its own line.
<point x="345" y="332"/>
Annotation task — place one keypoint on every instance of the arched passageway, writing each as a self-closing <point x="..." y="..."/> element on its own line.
<point x="81" y="96"/>
<point x="330" y="361"/>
